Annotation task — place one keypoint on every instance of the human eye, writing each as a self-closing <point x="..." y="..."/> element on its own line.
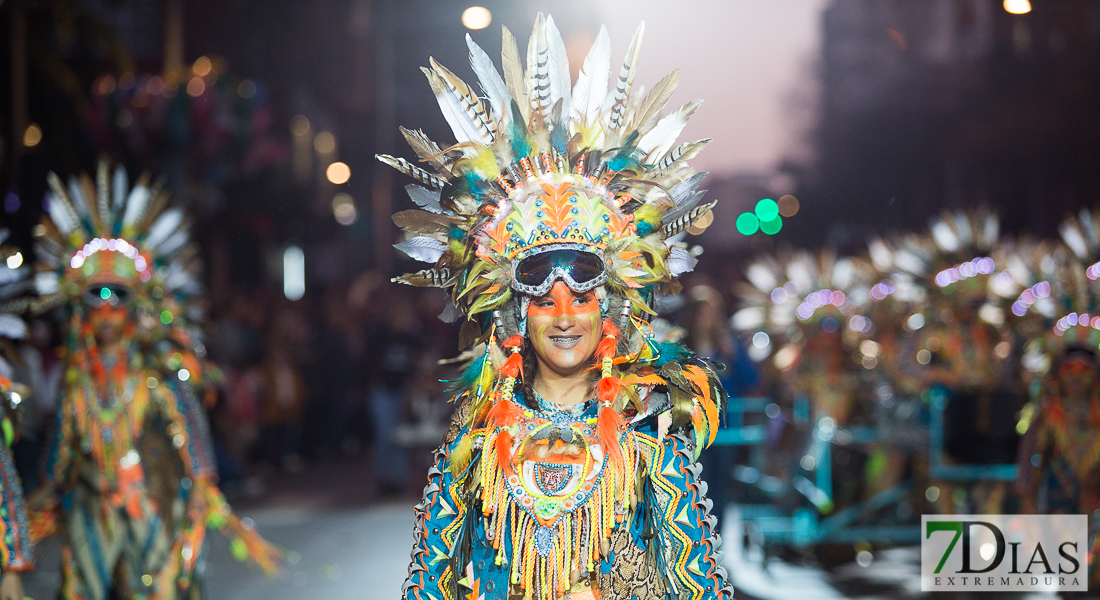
<point x="582" y="300"/>
<point x="544" y="303"/>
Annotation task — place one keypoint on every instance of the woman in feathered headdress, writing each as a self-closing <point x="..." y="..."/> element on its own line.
<point x="570" y="465"/>
<point x="1059" y="454"/>
<point x="16" y="549"/>
<point x="130" y="477"/>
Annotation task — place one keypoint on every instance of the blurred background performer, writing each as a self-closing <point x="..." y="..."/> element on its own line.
<point x="16" y="550"/>
<point x="130" y="480"/>
<point x="570" y="466"/>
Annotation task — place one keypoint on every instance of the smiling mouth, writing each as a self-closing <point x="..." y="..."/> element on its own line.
<point x="565" y="341"/>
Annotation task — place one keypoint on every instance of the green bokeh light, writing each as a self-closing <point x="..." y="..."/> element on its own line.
<point x="772" y="226"/>
<point x="166" y="317"/>
<point x="767" y="210"/>
<point x="105" y="293"/>
<point x="747" y="223"/>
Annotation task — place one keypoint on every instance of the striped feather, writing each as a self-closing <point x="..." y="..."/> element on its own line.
<point x="685" y="151"/>
<point x="421" y="175"/>
<point x="685" y="221"/>
<point x="620" y="96"/>
<point x="470" y="103"/>
<point x="427" y="150"/>
<point x="136" y="203"/>
<point x="538" y="68"/>
<point x="451" y="105"/>
<point x="558" y="66"/>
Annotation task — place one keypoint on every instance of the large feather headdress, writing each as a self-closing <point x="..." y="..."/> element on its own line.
<point x="541" y="162"/>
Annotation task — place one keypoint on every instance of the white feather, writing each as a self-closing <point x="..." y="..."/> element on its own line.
<point x="1073" y="238"/>
<point x="76" y="193"/>
<point x="663" y="136"/>
<point x="12" y="327"/>
<point x="424" y="249"/>
<point x="174" y="242"/>
<point x="118" y="188"/>
<point x="591" y="87"/>
<point x="761" y="277"/>
<point x="425" y="198"/>
<point x="680" y="261"/>
<point x="944" y="237"/>
<point x="558" y="67"/>
<point x="489" y="78"/>
<point x="451" y="107"/>
<point x="135" y="205"/>
<point x="46" y="283"/>
<point x="165" y="224"/>
<point x="60" y="213"/>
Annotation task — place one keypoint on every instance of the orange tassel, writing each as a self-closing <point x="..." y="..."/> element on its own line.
<point x="504" y="452"/>
<point x="516" y="341"/>
<point x="607" y="389"/>
<point x="512" y="366"/>
<point x="607" y="429"/>
<point x="504" y="413"/>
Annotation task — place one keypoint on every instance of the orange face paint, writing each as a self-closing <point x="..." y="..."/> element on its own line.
<point x="564" y="329"/>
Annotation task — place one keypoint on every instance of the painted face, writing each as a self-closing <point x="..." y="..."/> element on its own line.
<point x="564" y="328"/>
<point x="107" y="318"/>
<point x="1077" y="377"/>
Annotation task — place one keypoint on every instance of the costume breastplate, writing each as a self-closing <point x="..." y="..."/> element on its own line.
<point x="557" y="463"/>
<point x="552" y="501"/>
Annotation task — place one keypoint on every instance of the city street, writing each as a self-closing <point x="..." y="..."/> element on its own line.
<point x="343" y="546"/>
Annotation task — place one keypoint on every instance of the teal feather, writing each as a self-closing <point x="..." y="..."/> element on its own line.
<point x="671" y="352"/>
<point x="468" y="378"/>
<point x="517" y="134"/>
<point x="644" y="228"/>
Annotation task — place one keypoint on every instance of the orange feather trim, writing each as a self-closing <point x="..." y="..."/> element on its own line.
<point x="516" y="341"/>
<point x="504" y="413"/>
<point x="512" y="366"/>
<point x="608" y="428"/>
<point x="504" y="452"/>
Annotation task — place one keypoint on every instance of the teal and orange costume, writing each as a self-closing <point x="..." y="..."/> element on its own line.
<point x="554" y="181"/>
<point x="130" y="478"/>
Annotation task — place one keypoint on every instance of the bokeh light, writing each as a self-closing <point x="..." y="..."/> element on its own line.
<point x="343" y="209"/>
<point x="773" y="226"/>
<point x="1018" y="7"/>
<point x="196" y="87"/>
<point x="767" y="210"/>
<point x="246" y="89"/>
<point x="748" y="224"/>
<point x="476" y="17"/>
<point x="324" y="143"/>
<point x="299" y="125"/>
<point x="788" y="206"/>
<point x="32" y="136"/>
<point x="202" y="66"/>
<point x="338" y="173"/>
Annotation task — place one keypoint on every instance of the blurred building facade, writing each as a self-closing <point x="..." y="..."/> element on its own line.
<point x="928" y="106"/>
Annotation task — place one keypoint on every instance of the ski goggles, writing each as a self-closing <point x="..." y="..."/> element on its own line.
<point x="106" y="294"/>
<point x="580" y="269"/>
